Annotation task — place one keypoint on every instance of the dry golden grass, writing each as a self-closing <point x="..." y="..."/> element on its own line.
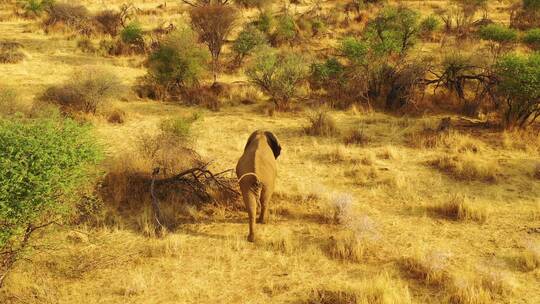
<point x="460" y="208"/>
<point x="467" y="167"/>
<point x="378" y="290"/>
<point x="322" y="124"/>
<point x="431" y="268"/>
<point x="529" y="259"/>
<point x="313" y="250"/>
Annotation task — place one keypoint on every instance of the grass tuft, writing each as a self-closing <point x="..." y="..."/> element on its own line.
<point x="322" y="124"/>
<point x="459" y="208"/>
<point x="431" y="268"/>
<point x="378" y="290"/>
<point x="467" y="167"/>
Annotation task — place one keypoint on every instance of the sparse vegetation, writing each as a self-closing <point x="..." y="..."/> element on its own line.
<point x="467" y="167"/>
<point x="85" y="91"/>
<point x="408" y="129"/>
<point x="10" y="52"/>
<point x="459" y="208"/>
<point x="322" y="124"/>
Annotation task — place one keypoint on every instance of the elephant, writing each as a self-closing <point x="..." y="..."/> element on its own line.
<point x="256" y="171"/>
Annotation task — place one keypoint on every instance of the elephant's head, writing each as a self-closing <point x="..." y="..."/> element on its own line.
<point x="270" y="138"/>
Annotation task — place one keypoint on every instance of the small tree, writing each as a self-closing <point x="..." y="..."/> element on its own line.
<point x="394" y="30"/>
<point x="518" y="89"/>
<point x="214" y="23"/>
<point x="278" y="75"/>
<point x="178" y="62"/>
<point x="248" y="39"/>
<point x="501" y="39"/>
<point x="43" y="164"/>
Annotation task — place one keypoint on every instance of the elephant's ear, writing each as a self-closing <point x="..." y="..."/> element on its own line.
<point x="274" y="143"/>
<point x="250" y="139"/>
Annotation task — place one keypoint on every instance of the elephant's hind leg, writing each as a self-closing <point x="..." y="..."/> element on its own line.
<point x="266" y="194"/>
<point x="250" y="200"/>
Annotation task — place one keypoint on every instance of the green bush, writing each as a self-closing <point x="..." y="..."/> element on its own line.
<point x="285" y="31"/>
<point x="532" y="38"/>
<point x="430" y="24"/>
<point x="179" y="127"/>
<point x="394" y="30"/>
<point x="278" y="75"/>
<point x="354" y="50"/>
<point x="248" y="39"/>
<point x="323" y="74"/>
<point x="43" y="165"/>
<point x="518" y="89"/>
<point x="500" y="38"/>
<point x="533" y="5"/>
<point x="498" y="33"/>
<point x="264" y="22"/>
<point x="85" y="91"/>
<point x="178" y="62"/>
<point x="133" y="34"/>
<point x="36" y="7"/>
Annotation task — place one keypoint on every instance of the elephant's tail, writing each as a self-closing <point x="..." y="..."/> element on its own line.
<point x="248" y="174"/>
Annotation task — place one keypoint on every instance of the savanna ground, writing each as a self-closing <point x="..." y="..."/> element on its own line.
<point x="425" y="218"/>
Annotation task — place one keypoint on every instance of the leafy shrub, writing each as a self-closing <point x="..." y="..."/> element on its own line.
<point x="74" y="16"/>
<point x="178" y="62"/>
<point x="180" y="127"/>
<point x="248" y="39"/>
<point x="278" y="75"/>
<point x="285" y="31"/>
<point x="327" y="75"/>
<point x="322" y="124"/>
<point x="132" y="33"/>
<point x="500" y="37"/>
<point x="532" y="38"/>
<point x="44" y="162"/>
<point x="429" y="24"/>
<point x="10" y="52"/>
<point x="533" y="5"/>
<point x="85" y="91"/>
<point x="354" y="50"/>
<point x="518" y="89"/>
<point x="394" y="30"/>
<point x="264" y="22"/>
<point x="36" y="7"/>
<point x="109" y="21"/>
